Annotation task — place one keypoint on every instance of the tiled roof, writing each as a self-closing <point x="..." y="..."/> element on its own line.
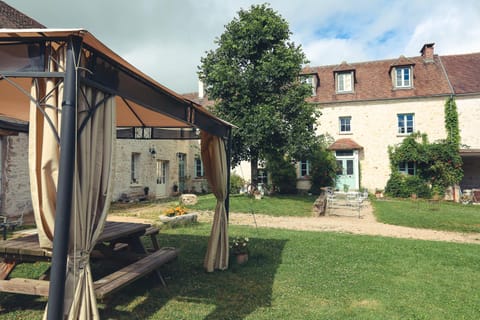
<point x="204" y="102"/>
<point x="373" y="80"/>
<point x="345" y="144"/>
<point x="12" y="18"/>
<point x="463" y="72"/>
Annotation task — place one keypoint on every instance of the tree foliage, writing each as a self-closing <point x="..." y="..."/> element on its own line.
<point x="283" y="174"/>
<point x="323" y="166"/>
<point x="253" y="76"/>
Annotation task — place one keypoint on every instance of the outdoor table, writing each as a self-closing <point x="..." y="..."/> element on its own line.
<point x="26" y="249"/>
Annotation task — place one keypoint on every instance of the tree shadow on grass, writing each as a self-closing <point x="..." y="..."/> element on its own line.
<point x="230" y="294"/>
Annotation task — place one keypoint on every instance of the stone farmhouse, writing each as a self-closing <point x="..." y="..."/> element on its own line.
<point x="165" y="167"/>
<point x="371" y="105"/>
<point x="367" y="107"/>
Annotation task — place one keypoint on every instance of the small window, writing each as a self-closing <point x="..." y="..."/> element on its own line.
<point x="311" y="80"/>
<point x="403" y="77"/>
<point x="407" y="167"/>
<point x="304" y="168"/>
<point x="344" y="153"/>
<point x="339" y="167"/>
<point x="135" y="165"/>
<point x="345" y="124"/>
<point x="405" y="123"/>
<point x="344" y="81"/>
<point x="199" y="168"/>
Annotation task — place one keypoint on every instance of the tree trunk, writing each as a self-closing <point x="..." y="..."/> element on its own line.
<point x="254" y="171"/>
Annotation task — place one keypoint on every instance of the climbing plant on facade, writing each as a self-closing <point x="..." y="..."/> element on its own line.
<point x="437" y="164"/>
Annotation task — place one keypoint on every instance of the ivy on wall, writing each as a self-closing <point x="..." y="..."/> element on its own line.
<point x="438" y="164"/>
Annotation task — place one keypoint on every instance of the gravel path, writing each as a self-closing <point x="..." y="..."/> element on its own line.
<point x="347" y="221"/>
<point x="340" y="220"/>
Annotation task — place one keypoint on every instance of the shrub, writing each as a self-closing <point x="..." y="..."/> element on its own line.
<point x="236" y="183"/>
<point x="283" y="174"/>
<point x="403" y="186"/>
<point x="322" y="169"/>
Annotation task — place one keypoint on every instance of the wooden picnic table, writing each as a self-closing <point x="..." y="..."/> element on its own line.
<point x="119" y="240"/>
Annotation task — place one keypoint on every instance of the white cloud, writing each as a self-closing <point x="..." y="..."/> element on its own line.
<point x="166" y="38"/>
<point x="454" y="29"/>
<point x="334" y="51"/>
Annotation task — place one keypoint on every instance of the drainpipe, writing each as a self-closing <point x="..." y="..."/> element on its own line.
<point x="56" y="291"/>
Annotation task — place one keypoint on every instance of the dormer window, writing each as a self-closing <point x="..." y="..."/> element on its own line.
<point x="403" y="77"/>
<point x="344" y="82"/>
<point x="311" y="80"/>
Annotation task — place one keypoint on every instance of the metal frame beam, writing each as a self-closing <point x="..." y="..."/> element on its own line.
<point x="55" y="309"/>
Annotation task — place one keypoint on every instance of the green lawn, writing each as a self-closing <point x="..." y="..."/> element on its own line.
<point x="278" y="205"/>
<point x="422" y="214"/>
<point x="297" y="275"/>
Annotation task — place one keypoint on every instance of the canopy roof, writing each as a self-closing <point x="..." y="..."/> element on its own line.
<point x="140" y="100"/>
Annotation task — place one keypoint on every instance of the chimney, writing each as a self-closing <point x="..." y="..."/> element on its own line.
<point x="201" y="90"/>
<point x="427" y="51"/>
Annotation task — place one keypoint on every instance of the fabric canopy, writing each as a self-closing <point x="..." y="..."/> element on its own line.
<point x="78" y="91"/>
<point x="216" y="170"/>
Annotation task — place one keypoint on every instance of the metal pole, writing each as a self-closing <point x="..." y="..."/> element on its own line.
<point x="229" y="163"/>
<point x="56" y="291"/>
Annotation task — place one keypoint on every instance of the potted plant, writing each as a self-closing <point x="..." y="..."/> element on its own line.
<point x="239" y="247"/>
<point x="177" y="215"/>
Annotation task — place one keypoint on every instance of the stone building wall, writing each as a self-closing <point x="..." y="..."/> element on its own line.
<point x="165" y="150"/>
<point x="15" y="184"/>
<point x="374" y="127"/>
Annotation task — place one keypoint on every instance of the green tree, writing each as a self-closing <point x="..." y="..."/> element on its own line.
<point x="253" y="76"/>
<point x="322" y="166"/>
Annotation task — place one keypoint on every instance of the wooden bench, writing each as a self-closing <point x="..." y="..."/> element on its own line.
<point x="133" y="271"/>
<point x="103" y="286"/>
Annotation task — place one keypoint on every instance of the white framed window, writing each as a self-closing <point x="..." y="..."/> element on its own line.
<point x="199" y="168"/>
<point x="311" y="80"/>
<point x="344" y="81"/>
<point x="403" y="77"/>
<point x="407" y="167"/>
<point x="304" y="168"/>
<point x="345" y="124"/>
<point x="135" y="168"/>
<point x="405" y="123"/>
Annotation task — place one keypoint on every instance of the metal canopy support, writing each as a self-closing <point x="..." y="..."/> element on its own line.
<point x="55" y="309"/>
<point x="229" y="163"/>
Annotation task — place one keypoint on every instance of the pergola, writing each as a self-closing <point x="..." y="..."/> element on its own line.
<point x="75" y="92"/>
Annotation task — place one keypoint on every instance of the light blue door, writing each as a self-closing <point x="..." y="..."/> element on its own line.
<point x="346" y="178"/>
<point x="181" y="172"/>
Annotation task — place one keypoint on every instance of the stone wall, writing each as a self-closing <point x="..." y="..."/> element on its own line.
<point x="166" y="150"/>
<point x="15" y="196"/>
<point x="374" y="127"/>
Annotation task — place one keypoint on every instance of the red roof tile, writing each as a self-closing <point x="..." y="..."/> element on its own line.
<point x="373" y="80"/>
<point x="463" y="72"/>
<point x="345" y="144"/>
<point x="14" y="19"/>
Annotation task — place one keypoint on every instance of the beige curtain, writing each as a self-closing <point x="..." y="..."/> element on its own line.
<point x="93" y="176"/>
<point x="215" y="163"/>
<point x="44" y="154"/>
<point x="92" y="181"/>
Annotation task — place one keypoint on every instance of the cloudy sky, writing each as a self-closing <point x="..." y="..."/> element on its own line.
<point x="167" y="38"/>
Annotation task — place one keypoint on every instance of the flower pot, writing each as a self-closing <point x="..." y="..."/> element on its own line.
<point x="242" y="258"/>
<point x="179" y="220"/>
